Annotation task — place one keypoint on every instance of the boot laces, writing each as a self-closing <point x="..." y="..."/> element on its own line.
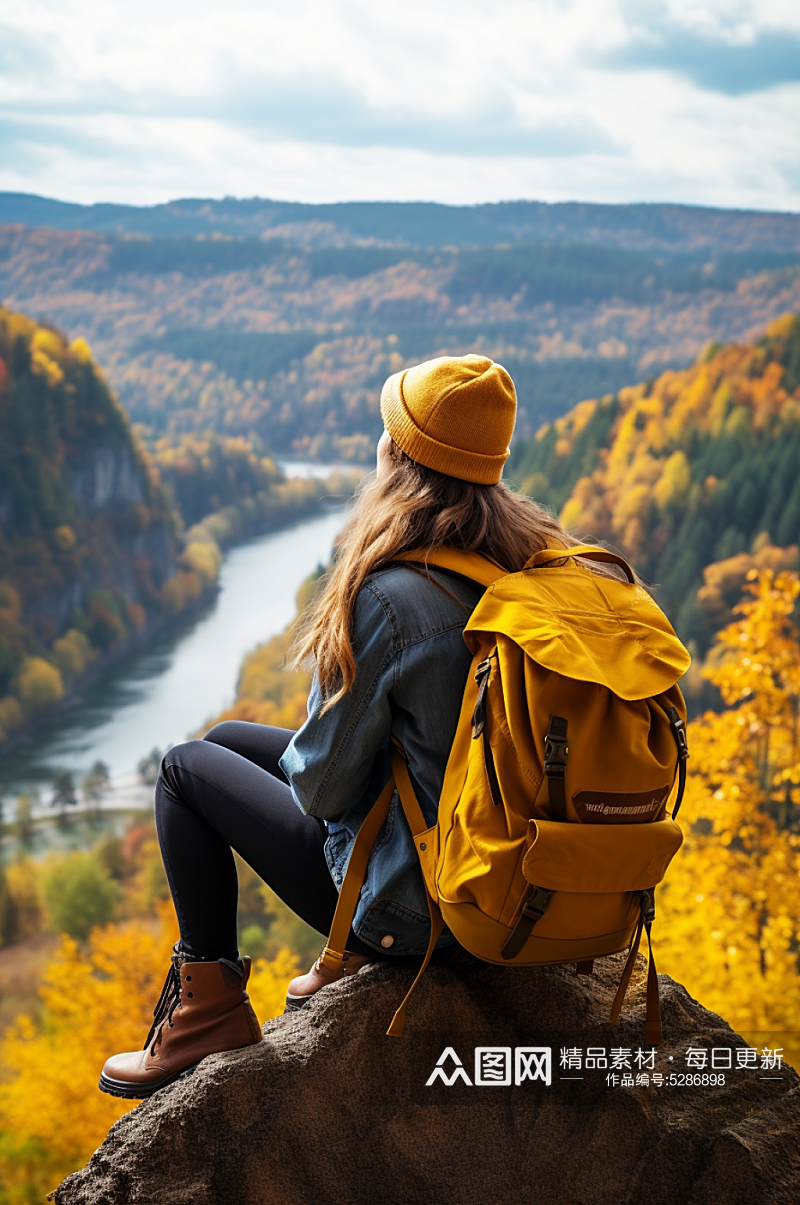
<point x="168" y="1001"/>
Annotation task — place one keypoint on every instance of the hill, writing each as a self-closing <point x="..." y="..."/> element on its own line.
<point x="87" y="543"/>
<point x="289" y="339"/>
<point x="99" y="540"/>
<point x="664" y="227"/>
<point x="693" y="474"/>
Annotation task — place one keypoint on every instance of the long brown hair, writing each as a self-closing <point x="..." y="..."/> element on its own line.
<point x="410" y="507"/>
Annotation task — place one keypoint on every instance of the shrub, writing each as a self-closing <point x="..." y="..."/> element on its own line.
<point x="79" y="893"/>
<point x="10" y="715"/>
<point x="24" y="890"/>
<point x="40" y="683"/>
<point x="64" y="538"/>
<point x="204" y="557"/>
<point x="149" y="886"/>
<point x="72" y="652"/>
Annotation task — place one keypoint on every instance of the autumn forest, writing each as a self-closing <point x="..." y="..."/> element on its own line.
<point x="155" y="368"/>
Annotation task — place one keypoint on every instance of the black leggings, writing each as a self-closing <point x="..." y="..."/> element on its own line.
<point x="227" y="792"/>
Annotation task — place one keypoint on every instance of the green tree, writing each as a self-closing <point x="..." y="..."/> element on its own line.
<point x="149" y="766"/>
<point x="79" y="893"/>
<point x="63" y="794"/>
<point x="94" y="784"/>
<point x="8" y="911"/>
<point x="64" y="790"/>
<point x="23" y="815"/>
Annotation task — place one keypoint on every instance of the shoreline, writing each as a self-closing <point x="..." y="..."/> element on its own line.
<point x="123" y="793"/>
<point x="164" y="622"/>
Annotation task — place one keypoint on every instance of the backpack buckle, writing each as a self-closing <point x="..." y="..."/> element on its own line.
<point x="537" y="904"/>
<point x="556" y="747"/>
<point x="479" y="714"/>
<point x="679" y="732"/>
<point x="555" y="756"/>
<point x="533" y="910"/>
<point x="648" y="905"/>
<point x="555" y="766"/>
<point x="483" y="668"/>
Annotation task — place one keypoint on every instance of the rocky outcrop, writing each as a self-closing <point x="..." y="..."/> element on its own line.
<point x="329" y="1111"/>
<point x="108" y="477"/>
<point x="126" y="541"/>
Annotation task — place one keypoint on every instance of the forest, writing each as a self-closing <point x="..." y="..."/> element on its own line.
<point x="73" y="924"/>
<point x="693" y="474"/>
<point x="100" y="538"/>
<point x="285" y="332"/>
<point x="660" y="226"/>
<point x="657" y="469"/>
<point x="727" y="925"/>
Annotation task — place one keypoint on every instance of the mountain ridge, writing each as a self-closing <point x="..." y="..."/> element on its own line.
<point x="292" y="342"/>
<point x="636" y="224"/>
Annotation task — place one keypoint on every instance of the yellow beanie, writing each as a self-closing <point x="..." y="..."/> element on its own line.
<point x="454" y="414"/>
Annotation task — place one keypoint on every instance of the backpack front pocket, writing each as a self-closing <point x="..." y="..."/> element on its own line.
<point x="599" y="858"/>
<point x="585" y="881"/>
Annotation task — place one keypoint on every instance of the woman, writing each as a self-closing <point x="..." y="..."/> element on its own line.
<point x="386" y="640"/>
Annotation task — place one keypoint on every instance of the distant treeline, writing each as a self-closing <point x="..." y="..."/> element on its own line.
<point x="333" y="423"/>
<point x="569" y="275"/>
<point x="565" y="274"/>
<point x="202" y="256"/>
<point x="545" y="387"/>
<point x="667" y="227"/>
<point x="244" y="355"/>
<point x="285" y="332"/>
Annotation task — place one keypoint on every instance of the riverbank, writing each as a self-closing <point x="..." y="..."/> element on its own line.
<point x="304" y="493"/>
<point x="43" y="717"/>
<point x="160" y="693"/>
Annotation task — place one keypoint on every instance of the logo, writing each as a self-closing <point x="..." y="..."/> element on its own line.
<point x="606" y="807"/>
<point x="440" y="1073"/>
<point x="495" y="1066"/>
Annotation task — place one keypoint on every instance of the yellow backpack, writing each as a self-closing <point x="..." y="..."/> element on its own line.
<point x="552" y="828"/>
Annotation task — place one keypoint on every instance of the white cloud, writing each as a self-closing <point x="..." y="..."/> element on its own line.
<point x="426" y="99"/>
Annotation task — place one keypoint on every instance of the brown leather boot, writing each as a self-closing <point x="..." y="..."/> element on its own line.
<point x="302" y="988"/>
<point x="203" y="1009"/>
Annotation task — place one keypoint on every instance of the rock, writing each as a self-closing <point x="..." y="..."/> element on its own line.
<point x="329" y="1111"/>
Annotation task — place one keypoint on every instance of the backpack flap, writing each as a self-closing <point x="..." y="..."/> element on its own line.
<point x="599" y="858"/>
<point x="586" y="627"/>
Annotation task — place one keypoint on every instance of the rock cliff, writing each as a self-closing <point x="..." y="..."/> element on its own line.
<point x="88" y="546"/>
<point x="328" y="1110"/>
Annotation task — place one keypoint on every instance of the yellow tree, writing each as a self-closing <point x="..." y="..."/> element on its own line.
<point x="95" y="1000"/>
<point x="729" y="922"/>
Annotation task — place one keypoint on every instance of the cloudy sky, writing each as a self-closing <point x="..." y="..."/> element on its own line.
<point x="451" y="100"/>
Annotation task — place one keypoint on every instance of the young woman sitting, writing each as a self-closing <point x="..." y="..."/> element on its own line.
<point x="385" y="637"/>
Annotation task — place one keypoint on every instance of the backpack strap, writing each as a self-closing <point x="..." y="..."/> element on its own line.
<point x="653" y="1030"/>
<point x="416" y="822"/>
<point x="473" y="565"/>
<point x="678" y="728"/>
<point x="589" y="552"/>
<point x="333" y="954"/>
<point x="485" y="571"/>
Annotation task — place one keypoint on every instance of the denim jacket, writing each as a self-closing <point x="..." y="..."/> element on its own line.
<point x="411" y="669"/>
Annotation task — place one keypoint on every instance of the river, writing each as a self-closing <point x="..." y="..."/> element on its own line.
<point x="155" y="697"/>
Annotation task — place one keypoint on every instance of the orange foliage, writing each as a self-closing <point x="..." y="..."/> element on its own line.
<point x="729" y="921"/>
<point x="94" y="1002"/>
